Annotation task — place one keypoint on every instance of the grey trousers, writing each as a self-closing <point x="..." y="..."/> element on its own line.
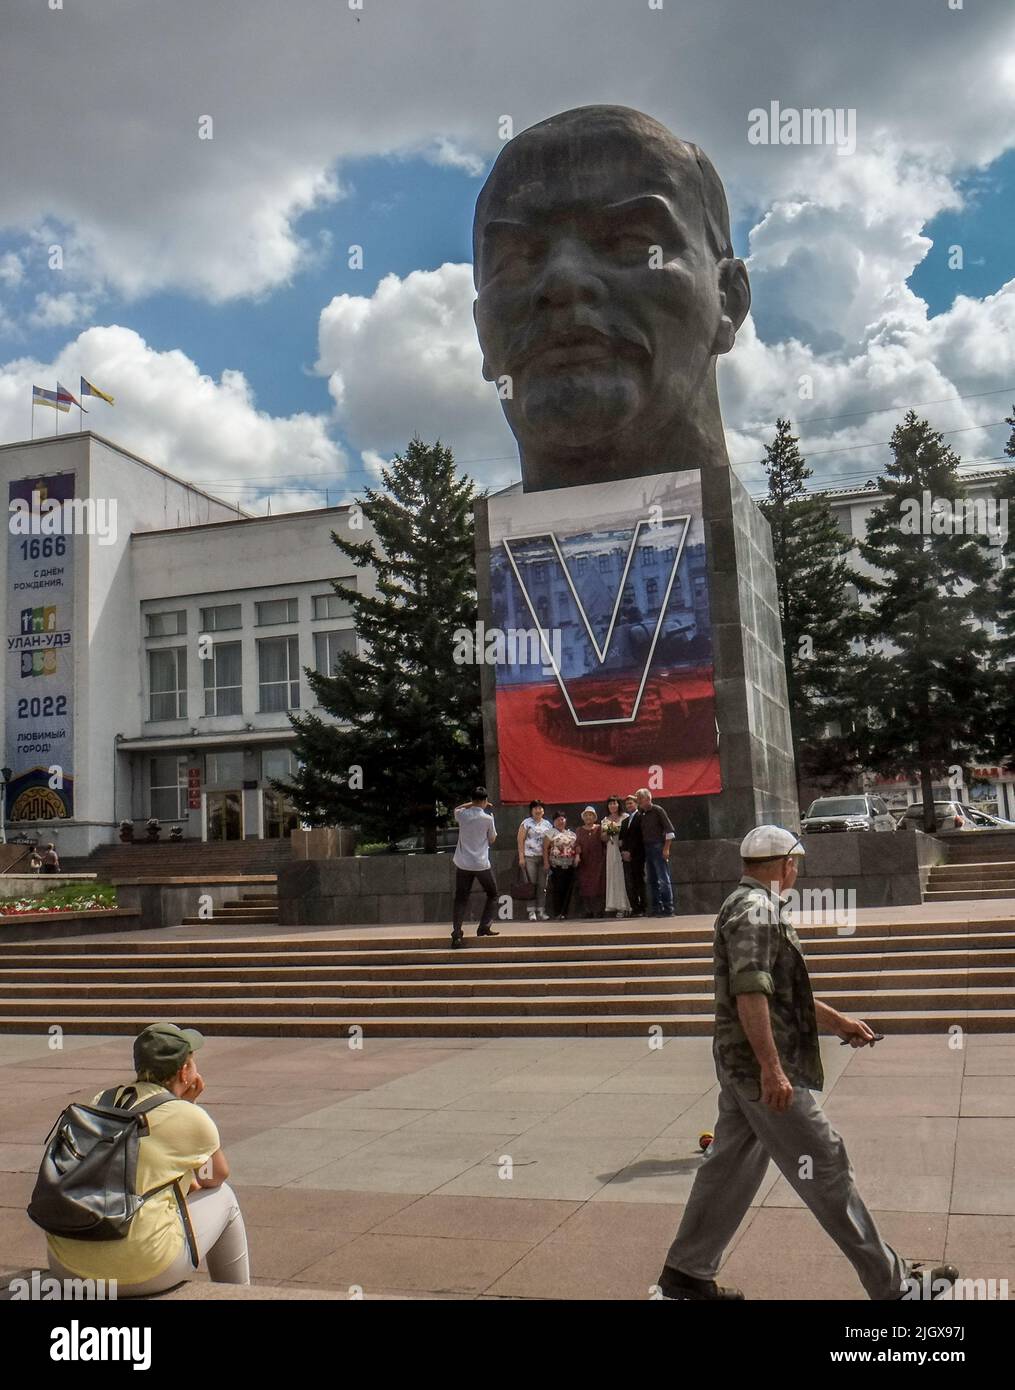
<point x="221" y="1241"/>
<point x="812" y="1158"/>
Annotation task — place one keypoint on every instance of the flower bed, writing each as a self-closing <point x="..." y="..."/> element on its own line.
<point x="69" y="899"/>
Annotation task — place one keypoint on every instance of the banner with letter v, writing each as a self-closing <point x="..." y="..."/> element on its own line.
<point x="601" y="640"/>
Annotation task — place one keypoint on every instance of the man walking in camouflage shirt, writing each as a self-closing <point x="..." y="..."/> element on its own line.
<point x="768" y="1063"/>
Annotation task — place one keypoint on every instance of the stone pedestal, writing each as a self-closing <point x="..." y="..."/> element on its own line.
<point x="752" y="714"/>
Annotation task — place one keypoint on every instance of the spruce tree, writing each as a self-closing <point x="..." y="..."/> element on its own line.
<point x="925" y="686"/>
<point x="409" y="742"/>
<point x="818" y="618"/>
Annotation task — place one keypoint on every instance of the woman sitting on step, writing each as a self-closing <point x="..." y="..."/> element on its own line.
<point x="182" y="1143"/>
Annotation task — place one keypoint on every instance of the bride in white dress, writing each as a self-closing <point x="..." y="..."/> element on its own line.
<point x="616" y="893"/>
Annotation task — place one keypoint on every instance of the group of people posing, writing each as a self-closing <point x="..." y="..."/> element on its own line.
<point x="619" y="865"/>
<point x="602" y="862"/>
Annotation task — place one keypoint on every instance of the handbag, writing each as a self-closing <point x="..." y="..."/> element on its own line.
<point x="522" y="888"/>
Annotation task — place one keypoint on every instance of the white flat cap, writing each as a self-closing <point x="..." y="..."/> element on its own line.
<point x="770" y="842"/>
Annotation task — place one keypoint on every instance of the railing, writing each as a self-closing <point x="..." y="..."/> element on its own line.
<point x="29" y="849"/>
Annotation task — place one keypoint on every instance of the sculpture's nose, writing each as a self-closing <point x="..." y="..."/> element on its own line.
<point x="568" y="275"/>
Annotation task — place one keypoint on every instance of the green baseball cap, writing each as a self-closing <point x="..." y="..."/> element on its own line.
<point x="162" y="1047"/>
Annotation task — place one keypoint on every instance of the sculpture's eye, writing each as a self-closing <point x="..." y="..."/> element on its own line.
<point x="510" y="251"/>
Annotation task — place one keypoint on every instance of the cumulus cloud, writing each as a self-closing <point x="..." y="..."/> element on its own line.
<point x="293" y="98"/>
<point x="405" y="361"/>
<point x="168" y="412"/>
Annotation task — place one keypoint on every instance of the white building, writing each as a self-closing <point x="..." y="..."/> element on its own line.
<point x="991" y="786"/>
<point x="156" y="642"/>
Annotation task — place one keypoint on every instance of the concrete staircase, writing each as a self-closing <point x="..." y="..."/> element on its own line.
<point x="251" y="909"/>
<point x="979" y="867"/>
<point x="909" y="977"/>
<point x="185" y="857"/>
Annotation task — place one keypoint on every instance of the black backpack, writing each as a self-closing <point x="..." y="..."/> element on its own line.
<point x="87" y="1183"/>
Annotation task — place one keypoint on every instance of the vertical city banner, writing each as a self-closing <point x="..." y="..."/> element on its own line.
<point x="601" y="641"/>
<point x="40" y="651"/>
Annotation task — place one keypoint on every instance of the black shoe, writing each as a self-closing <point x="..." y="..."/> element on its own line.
<point x="487" y="931"/>
<point x="457" y="939"/>
<point x="927" y="1284"/>
<point x="685" y="1288"/>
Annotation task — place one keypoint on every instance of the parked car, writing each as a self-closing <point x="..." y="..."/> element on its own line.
<point x="983" y="820"/>
<point x="846" y="813"/>
<point x="447" y="839"/>
<point x="952" y="817"/>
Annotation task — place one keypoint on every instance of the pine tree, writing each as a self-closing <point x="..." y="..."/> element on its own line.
<point x="409" y="742"/>
<point x="925" y="686"/>
<point x="818" y="618"/>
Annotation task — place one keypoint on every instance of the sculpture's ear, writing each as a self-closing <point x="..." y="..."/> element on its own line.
<point x="735" y="299"/>
<point x="487" y="374"/>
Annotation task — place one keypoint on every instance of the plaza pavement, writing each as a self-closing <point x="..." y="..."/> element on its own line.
<point x="380" y="1168"/>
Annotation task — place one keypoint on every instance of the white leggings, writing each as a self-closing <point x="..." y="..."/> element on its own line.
<point x="221" y="1242"/>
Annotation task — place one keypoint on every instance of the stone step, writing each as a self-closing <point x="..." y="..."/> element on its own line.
<point x="513" y="938"/>
<point x="973" y="870"/>
<point x="71" y="954"/>
<point x="467" y="966"/>
<point x="888" y="1021"/>
<point x="611" y="986"/>
<point x="649" y="1005"/>
<point x="963" y="895"/>
<point x="249" y="916"/>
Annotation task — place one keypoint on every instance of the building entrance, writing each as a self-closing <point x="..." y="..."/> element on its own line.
<point x="224" y="815"/>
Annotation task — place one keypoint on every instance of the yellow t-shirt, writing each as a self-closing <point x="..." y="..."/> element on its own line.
<point x="181" y="1138"/>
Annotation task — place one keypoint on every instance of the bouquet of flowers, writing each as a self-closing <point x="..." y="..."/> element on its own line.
<point x="612" y="828"/>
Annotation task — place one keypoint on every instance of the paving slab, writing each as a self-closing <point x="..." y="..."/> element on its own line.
<point x="381" y="1169"/>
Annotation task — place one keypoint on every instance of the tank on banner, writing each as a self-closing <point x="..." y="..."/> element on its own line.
<point x="601" y="640"/>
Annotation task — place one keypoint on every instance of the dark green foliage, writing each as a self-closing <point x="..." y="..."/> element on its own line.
<point x="410" y="716"/>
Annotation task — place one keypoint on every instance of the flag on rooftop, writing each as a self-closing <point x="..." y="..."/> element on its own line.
<point x="40" y="396"/>
<point x="87" y="389"/>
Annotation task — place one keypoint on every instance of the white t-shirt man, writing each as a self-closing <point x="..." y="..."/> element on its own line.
<point x="476" y="833"/>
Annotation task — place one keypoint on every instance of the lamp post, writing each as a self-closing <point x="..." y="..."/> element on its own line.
<point x="7" y="774"/>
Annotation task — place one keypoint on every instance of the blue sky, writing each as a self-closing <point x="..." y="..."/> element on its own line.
<point x="201" y="279"/>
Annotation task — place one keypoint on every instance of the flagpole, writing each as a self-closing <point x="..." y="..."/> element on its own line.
<point x="33" y="412"/>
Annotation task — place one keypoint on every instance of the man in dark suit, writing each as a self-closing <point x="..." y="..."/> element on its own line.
<point x="632" y="851"/>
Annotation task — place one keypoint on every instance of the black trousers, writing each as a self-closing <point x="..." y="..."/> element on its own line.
<point x="634" y="881"/>
<point x="559" y="890"/>
<point x="463" y="887"/>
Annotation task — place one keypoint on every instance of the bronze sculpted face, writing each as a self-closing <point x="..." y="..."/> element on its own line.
<point x="606" y="287"/>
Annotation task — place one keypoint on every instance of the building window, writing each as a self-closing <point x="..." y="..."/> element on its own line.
<point x="334" y="605"/>
<point x="167" y="683"/>
<point x="223" y="682"/>
<point x="223" y="618"/>
<point x="224" y="769"/>
<point x="328" y="646"/>
<point x="652" y="594"/>
<point x="277" y="610"/>
<point x="581" y="564"/>
<point x="169" y="624"/>
<point x="278" y="668"/>
<point x="604" y="563"/>
<point x="648" y="555"/>
<point x="539" y="572"/>
<point x="542" y="611"/>
<point x="279" y="763"/>
<point x="167" y="778"/>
